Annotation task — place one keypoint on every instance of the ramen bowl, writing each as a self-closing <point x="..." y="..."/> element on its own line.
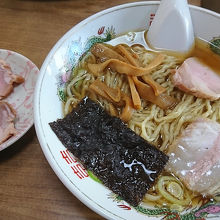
<point x="49" y="95"/>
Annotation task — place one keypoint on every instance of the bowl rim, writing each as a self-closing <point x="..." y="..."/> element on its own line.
<point x="44" y="146"/>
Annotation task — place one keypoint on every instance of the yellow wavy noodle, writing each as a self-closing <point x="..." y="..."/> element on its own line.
<point x="160" y="127"/>
<point x="157" y="126"/>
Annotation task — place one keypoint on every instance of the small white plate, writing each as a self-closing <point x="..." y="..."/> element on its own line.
<point x="21" y="98"/>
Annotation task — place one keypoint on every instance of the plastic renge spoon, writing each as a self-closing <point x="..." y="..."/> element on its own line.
<point x="171" y="30"/>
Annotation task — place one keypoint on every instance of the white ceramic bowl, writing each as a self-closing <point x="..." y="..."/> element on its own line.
<point x="48" y="107"/>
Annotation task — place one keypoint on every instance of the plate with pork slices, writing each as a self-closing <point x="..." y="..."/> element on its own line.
<point x="17" y="82"/>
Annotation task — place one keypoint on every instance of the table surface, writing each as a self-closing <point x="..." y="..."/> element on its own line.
<point x="29" y="189"/>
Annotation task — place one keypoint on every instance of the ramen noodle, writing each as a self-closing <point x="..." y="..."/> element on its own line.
<point x="158" y="126"/>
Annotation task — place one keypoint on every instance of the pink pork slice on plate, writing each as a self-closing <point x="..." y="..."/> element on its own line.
<point x="7" y="78"/>
<point x="195" y="157"/>
<point x="198" y="79"/>
<point x="7" y="117"/>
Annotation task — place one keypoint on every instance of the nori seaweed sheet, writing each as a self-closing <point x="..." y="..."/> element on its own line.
<point x="125" y="162"/>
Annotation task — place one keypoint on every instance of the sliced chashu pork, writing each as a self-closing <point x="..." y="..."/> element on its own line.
<point x="195" y="157"/>
<point x="198" y="79"/>
<point x="7" y="78"/>
<point x="7" y="117"/>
